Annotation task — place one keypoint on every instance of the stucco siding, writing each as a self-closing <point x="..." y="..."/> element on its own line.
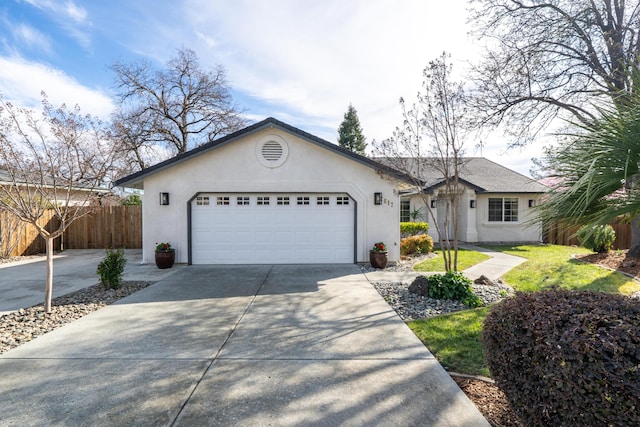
<point x="474" y="224"/>
<point x="237" y="168"/>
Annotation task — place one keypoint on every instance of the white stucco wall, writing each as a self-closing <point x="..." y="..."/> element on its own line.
<point x="474" y="225"/>
<point x="235" y="168"/>
<point x="519" y="231"/>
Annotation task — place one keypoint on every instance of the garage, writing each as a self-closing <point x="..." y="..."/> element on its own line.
<point x="269" y="194"/>
<point x="272" y="228"/>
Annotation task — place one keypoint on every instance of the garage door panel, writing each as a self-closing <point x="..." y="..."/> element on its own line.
<point x="272" y="233"/>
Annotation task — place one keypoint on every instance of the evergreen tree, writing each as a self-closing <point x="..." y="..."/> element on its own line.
<point x="350" y="132"/>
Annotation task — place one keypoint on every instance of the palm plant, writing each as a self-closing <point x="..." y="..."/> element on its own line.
<point x="596" y="170"/>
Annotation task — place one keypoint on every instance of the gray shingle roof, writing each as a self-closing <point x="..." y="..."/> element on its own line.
<point x="479" y="173"/>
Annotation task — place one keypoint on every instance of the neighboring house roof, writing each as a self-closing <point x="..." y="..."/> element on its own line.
<point x="7" y="179"/>
<point x="135" y="180"/>
<point x="478" y="173"/>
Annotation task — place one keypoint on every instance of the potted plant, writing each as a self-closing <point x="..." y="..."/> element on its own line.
<point x="378" y="255"/>
<point x="165" y="255"/>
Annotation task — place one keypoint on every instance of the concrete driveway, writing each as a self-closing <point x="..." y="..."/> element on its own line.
<point x="235" y="345"/>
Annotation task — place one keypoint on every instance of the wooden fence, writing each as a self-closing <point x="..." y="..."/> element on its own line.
<point x="560" y="234"/>
<point x="104" y="227"/>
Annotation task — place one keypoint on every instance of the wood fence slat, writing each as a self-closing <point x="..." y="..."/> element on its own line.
<point x="104" y="227"/>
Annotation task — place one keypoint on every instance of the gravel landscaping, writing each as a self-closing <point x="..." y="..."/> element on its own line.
<point x="410" y="306"/>
<point x="28" y="323"/>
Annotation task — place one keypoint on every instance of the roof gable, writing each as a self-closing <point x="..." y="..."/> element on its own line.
<point x="136" y="179"/>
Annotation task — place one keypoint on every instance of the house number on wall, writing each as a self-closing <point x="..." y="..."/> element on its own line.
<point x="387" y="202"/>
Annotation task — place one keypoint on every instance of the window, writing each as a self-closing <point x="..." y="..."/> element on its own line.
<point x="322" y="200"/>
<point x="283" y="200"/>
<point x="342" y="200"/>
<point x="303" y="200"/>
<point x="503" y="209"/>
<point x="263" y="200"/>
<point x="222" y="201"/>
<point x="405" y="210"/>
<point x="242" y="201"/>
<point x="202" y="200"/>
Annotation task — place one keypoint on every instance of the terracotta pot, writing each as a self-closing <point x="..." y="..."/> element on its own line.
<point x="378" y="259"/>
<point x="165" y="259"/>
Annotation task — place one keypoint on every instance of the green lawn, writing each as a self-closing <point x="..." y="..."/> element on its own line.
<point x="455" y="338"/>
<point x="549" y="265"/>
<point x="466" y="259"/>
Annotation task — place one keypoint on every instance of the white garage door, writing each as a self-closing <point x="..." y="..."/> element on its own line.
<point x="272" y="229"/>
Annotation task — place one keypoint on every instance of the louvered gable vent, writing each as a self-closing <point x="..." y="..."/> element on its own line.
<point x="272" y="151"/>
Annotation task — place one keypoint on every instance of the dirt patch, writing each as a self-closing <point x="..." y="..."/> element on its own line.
<point x="490" y="401"/>
<point x="615" y="260"/>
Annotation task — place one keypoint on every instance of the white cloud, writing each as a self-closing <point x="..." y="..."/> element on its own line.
<point x="21" y="83"/>
<point x="31" y="37"/>
<point x="314" y="59"/>
<point x="72" y="18"/>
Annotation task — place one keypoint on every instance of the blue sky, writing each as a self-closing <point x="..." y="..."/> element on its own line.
<point x="302" y="62"/>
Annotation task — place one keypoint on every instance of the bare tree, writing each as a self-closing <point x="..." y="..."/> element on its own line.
<point x="58" y="160"/>
<point x="179" y="107"/>
<point x="553" y="58"/>
<point x="432" y="138"/>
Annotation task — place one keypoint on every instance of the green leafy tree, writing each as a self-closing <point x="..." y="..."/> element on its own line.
<point x="350" y="132"/>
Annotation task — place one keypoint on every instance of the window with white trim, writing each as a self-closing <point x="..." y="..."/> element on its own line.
<point x="263" y="200"/>
<point x="405" y="209"/>
<point x="504" y="209"/>
<point x="303" y="200"/>
<point x="322" y="200"/>
<point x="342" y="200"/>
<point x="283" y="200"/>
<point x="242" y="201"/>
<point x="222" y="201"/>
<point x="202" y="200"/>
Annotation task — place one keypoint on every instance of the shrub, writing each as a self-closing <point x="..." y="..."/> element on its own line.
<point x="420" y="244"/>
<point x="111" y="267"/>
<point x="413" y="228"/>
<point x="598" y="238"/>
<point x="455" y="286"/>
<point x="566" y="357"/>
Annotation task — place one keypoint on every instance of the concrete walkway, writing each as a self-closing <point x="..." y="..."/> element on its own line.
<point x="498" y="265"/>
<point x="22" y="283"/>
<point x="235" y="345"/>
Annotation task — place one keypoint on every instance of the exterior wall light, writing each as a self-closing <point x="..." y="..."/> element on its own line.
<point x="532" y="203"/>
<point x="164" y="199"/>
<point x="433" y="203"/>
<point x="377" y="198"/>
<point x="472" y="204"/>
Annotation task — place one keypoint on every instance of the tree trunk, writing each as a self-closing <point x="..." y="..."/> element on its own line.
<point x="48" y="290"/>
<point x="634" y="250"/>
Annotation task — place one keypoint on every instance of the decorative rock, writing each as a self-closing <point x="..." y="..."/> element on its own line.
<point x="420" y="286"/>
<point x="411" y="306"/>
<point x="26" y="324"/>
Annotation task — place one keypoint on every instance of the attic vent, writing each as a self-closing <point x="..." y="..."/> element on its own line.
<point x="272" y="151"/>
